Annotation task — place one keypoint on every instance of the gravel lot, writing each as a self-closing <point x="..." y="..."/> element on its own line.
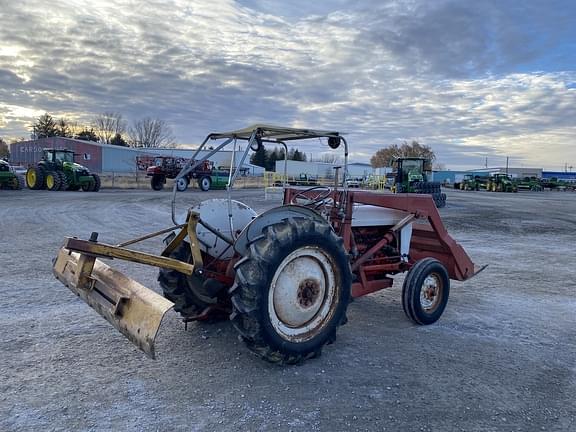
<point x="502" y="358"/>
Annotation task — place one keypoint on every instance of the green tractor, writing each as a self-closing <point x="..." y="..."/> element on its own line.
<point x="470" y="183"/>
<point x="58" y="171"/>
<point x="8" y="178"/>
<point x="412" y="175"/>
<point x="501" y="183"/>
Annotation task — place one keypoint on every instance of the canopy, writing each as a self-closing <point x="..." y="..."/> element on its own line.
<point x="275" y="133"/>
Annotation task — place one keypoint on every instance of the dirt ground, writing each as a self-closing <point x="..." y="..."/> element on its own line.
<point x="502" y="357"/>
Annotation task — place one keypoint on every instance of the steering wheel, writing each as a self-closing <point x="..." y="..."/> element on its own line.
<point x="322" y="192"/>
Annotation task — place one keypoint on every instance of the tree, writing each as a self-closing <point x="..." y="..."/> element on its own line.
<point x="4" y="150"/>
<point x="109" y="124"/>
<point x="259" y="157"/>
<point x="87" y="135"/>
<point x="44" y="127"/>
<point x="386" y="156"/>
<point x="331" y="158"/>
<point x="63" y="128"/>
<point x="151" y="133"/>
<point x="119" y="141"/>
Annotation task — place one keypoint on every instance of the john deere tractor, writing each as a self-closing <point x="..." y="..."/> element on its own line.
<point x="501" y="183"/>
<point x="8" y="178"/>
<point x="58" y="171"/>
<point x="412" y="177"/>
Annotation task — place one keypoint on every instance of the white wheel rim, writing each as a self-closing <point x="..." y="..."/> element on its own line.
<point x="181" y="184"/>
<point x="430" y="292"/>
<point x="302" y="296"/>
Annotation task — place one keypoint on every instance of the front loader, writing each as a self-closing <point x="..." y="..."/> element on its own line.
<point x="284" y="277"/>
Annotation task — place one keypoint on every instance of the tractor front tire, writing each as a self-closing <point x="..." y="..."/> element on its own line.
<point x="291" y="291"/>
<point x="182" y="290"/>
<point x="35" y="178"/>
<point x="64" y="185"/>
<point x="425" y="291"/>
<point x="97" y="183"/>
<point x="157" y="182"/>
<point x="204" y="183"/>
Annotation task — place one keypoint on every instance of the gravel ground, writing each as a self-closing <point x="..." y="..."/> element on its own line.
<point x="502" y="358"/>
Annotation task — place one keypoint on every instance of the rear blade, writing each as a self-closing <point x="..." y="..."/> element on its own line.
<point x="134" y="310"/>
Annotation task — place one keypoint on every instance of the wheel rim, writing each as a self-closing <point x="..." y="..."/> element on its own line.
<point x="205" y="183"/>
<point x="302" y="294"/>
<point x="431" y="292"/>
<point x="49" y="181"/>
<point x="31" y="177"/>
<point x="181" y="184"/>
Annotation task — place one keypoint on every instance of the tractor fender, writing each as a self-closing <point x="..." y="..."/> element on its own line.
<point x="270" y="217"/>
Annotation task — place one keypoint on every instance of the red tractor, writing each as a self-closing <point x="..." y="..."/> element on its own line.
<point x="284" y="277"/>
<point x="160" y="168"/>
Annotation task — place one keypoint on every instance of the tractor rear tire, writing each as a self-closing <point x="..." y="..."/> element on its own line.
<point x="425" y="291"/>
<point x="35" y="178"/>
<point x="97" y="183"/>
<point x="53" y="182"/>
<point x="291" y="291"/>
<point x="157" y="182"/>
<point x="204" y="183"/>
<point x="182" y="290"/>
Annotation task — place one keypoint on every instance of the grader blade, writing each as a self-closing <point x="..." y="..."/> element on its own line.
<point x="134" y="310"/>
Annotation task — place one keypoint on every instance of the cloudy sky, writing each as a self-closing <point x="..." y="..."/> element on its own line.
<point x="473" y="79"/>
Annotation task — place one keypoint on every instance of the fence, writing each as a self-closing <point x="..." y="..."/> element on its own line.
<point x="374" y="182"/>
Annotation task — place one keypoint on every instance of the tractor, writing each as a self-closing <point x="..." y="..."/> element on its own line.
<point x="57" y="171"/>
<point x="412" y="175"/>
<point x="285" y="277"/>
<point x="470" y="182"/>
<point x="162" y="167"/>
<point x="8" y="178"/>
<point x="501" y="183"/>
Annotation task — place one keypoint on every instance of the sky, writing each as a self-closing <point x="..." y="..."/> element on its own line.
<point x="476" y="80"/>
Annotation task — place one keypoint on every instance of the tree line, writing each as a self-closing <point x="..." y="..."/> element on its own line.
<point x="267" y="158"/>
<point x="107" y="128"/>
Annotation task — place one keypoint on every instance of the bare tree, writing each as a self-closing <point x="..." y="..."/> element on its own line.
<point x="4" y="150"/>
<point x="386" y="156"/>
<point x="149" y="132"/>
<point x="331" y="158"/>
<point x="107" y="125"/>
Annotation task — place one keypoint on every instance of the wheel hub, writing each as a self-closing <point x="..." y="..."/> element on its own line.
<point x="429" y="294"/>
<point x="308" y="292"/>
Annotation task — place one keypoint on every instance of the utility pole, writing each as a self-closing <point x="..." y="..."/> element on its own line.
<point x="507" y="164"/>
<point x="486" y="162"/>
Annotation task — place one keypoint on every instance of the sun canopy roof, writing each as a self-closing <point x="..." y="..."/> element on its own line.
<point x="275" y="133"/>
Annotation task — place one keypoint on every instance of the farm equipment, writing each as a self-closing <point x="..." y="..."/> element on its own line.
<point x="470" y="183"/>
<point x="284" y="277"/>
<point x="8" y="178"/>
<point x="412" y="175"/>
<point x="160" y="168"/>
<point x="501" y="183"/>
<point x="529" y="183"/>
<point x="57" y="171"/>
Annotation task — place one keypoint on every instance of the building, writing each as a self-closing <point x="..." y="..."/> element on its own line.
<point x="107" y="158"/>
<point x="322" y="169"/>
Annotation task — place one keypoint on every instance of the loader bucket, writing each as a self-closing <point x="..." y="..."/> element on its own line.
<point x="134" y="310"/>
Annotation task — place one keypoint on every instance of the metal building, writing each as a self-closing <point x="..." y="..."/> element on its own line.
<point x="109" y="158"/>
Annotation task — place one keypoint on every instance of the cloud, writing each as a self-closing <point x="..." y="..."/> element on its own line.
<point x="472" y="79"/>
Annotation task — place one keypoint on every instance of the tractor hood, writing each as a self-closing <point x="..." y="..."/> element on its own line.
<point x="74" y="166"/>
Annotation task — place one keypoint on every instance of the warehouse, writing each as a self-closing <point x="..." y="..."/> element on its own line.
<point x="105" y="158"/>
